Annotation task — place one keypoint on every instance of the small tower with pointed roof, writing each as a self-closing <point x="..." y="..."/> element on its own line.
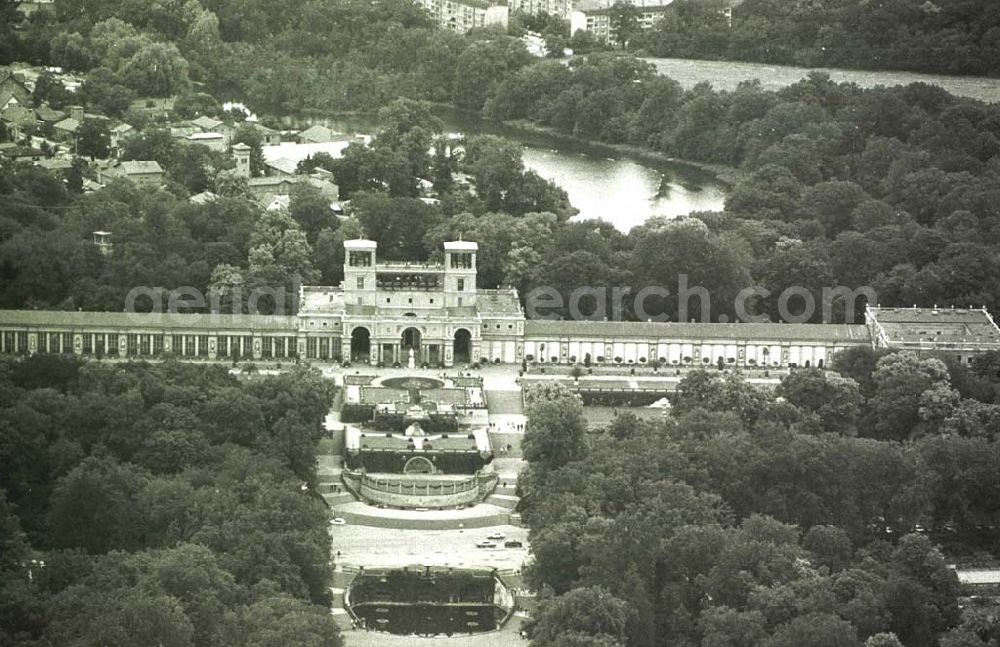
<point x="241" y="153"/>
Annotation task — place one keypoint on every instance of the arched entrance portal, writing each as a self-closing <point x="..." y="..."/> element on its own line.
<point x="419" y="465"/>
<point x="463" y="346"/>
<point x="410" y="339"/>
<point x="361" y="344"/>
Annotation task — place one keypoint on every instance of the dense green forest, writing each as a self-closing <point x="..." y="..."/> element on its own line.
<point x="943" y="36"/>
<point x="894" y="188"/>
<point x="160" y="505"/>
<point x="805" y="515"/>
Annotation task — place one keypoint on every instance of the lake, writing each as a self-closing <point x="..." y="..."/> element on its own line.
<point x="620" y="191"/>
<point x="601" y="186"/>
<point x="726" y="75"/>
<point x="627" y="192"/>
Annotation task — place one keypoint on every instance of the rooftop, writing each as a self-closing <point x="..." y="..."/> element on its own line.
<point x="140" y="167"/>
<point x="360" y="243"/>
<point x="321" y="299"/>
<point x="181" y="132"/>
<point x="68" y="124"/>
<point x="697" y="331"/>
<point x="46" y="113"/>
<point x="22" y="151"/>
<point x="498" y="302"/>
<point x="937" y="325"/>
<point x="205" y="136"/>
<point x="7" y="74"/>
<point x="270" y="180"/>
<point x="61" y="319"/>
<point x="206" y="123"/>
<point x="55" y="164"/>
<point x="283" y="164"/>
<point x="461" y="246"/>
<point x="319" y="134"/>
<point x="925" y="315"/>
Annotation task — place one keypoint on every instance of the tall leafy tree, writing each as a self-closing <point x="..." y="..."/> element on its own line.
<point x="623" y="20"/>
<point x="554" y="435"/>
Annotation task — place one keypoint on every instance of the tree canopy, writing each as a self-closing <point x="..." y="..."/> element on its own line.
<point x="161" y="505"/>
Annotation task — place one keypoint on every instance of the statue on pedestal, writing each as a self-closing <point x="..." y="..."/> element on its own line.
<point x="413" y="362"/>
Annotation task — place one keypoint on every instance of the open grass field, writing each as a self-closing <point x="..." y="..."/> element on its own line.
<point x="726" y="75"/>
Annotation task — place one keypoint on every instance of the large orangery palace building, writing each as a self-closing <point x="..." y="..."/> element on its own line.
<point x="390" y="312"/>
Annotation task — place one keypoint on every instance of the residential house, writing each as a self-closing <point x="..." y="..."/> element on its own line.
<point x="119" y="133"/>
<point x="207" y="124"/>
<point x="48" y="115"/>
<point x="316" y="135"/>
<point x="281" y="167"/>
<point x="13" y="90"/>
<point x="17" y="117"/>
<point x="214" y="141"/>
<point x="264" y="189"/>
<point x="65" y="130"/>
<point x="21" y="154"/>
<point x="183" y="132"/>
<point x="271" y="187"/>
<point x="268" y="136"/>
<point x="55" y="164"/>
<point x="153" y="107"/>
<point x="279" y="202"/>
<point x="142" y="172"/>
<point x="327" y="189"/>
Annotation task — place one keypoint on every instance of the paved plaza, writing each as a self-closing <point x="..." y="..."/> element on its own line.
<point x="507" y="636"/>
<point x="371" y="547"/>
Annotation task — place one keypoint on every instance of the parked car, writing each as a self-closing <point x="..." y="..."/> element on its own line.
<point x="513" y="544"/>
<point x="337" y="521"/>
<point x="496" y="535"/>
<point x="486" y="544"/>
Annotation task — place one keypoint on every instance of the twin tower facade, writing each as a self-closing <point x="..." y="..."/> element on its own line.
<point x="388" y="311"/>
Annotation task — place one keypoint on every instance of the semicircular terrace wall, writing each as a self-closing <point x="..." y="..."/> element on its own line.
<point x="417" y="494"/>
